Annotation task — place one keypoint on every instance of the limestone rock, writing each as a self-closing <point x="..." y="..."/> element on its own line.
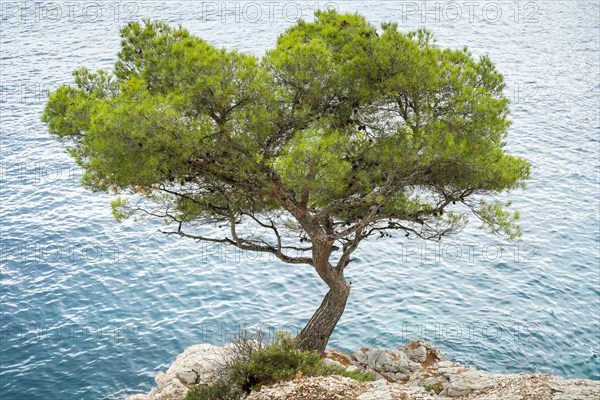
<point x="162" y="379"/>
<point x="313" y="388"/>
<point x="419" y="354"/>
<point x="505" y="387"/>
<point x="187" y="376"/>
<point x="202" y="363"/>
<point x="445" y="364"/>
<point x="379" y="391"/>
<point x="421" y="351"/>
<point x="138" y="397"/>
<point x="392" y="365"/>
<point x="467" y="382"/>
<point x="173" y="390"/>
<point x="416" y="371"/>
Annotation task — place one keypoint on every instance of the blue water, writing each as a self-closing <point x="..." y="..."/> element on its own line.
<point x="93" y="309"/>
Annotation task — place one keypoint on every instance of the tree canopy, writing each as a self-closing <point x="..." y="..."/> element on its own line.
<point x="341" y="132"/>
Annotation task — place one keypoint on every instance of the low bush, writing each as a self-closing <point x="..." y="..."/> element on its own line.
<point x="220" y="391"/>
<point x="357" y="375"/>
<point x="280" y="361"/>
<point x="436" y="388"/>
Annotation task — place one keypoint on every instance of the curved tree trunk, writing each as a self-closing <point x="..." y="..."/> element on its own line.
<point x="316" y="333"/>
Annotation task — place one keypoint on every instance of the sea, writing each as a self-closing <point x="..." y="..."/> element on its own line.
<point x="94" y="309"/>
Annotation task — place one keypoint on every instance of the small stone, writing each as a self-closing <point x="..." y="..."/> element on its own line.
<point x="187" y="377"/>
<point x="440" y="356"/>
<point x="379" y="392"/>
<point x="445" y="364"/>
<point x="388" y="363"/>
<point x="449" y="371"/>
<point x="419" y="354"/>
<point x="414" y="366"/>
<point x="162" y="379"/>
<point x="469" y="381"/>
<point x="430" y="381"/>
<point x="395" y="376"/>
<point x="174" y="391"/>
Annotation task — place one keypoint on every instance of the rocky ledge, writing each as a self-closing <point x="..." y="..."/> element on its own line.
<point x="417" y="371"/>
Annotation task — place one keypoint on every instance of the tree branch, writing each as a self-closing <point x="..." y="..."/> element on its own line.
<point x="243" y="245"/>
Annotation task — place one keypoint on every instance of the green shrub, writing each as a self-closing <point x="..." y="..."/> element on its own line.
<point x="220" y="391"/>
<point x="436" y="388"/>
<point x="281" y="361"/>
<point x="356" y="375"/>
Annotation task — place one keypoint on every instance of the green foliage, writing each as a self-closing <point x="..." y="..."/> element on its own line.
<point x="502" y="221"/>
<point x="436" y="388"/>
<point x="282" y="361"/>
<point x="337" y="119"/>
<point x="319" y="155"/>
<point x="220" y="391"/>
<point x="117" y="207"/>
<point x="357" y="375"/>
<point x="338" y="133"/>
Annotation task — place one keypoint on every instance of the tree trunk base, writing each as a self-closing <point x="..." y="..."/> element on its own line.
<point x="316" y="333"/>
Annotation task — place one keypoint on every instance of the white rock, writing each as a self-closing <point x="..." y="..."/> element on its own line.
<point x="162" y="380"/>
<point x="469" y="381"/>
<point x="138" y="397"/>
<point x="445" y="364"/>
<point x="384" y="361"/>
<point x="328" y="361"/>
<point x="413" y="366"/>
<point x="419" y="354"/>
<point x="378" y="392"/>
<point x="204" y="363"/>
<point x="449" y="371"/>
<point x="187" y="376"/>
<point x="174" y="391"/>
